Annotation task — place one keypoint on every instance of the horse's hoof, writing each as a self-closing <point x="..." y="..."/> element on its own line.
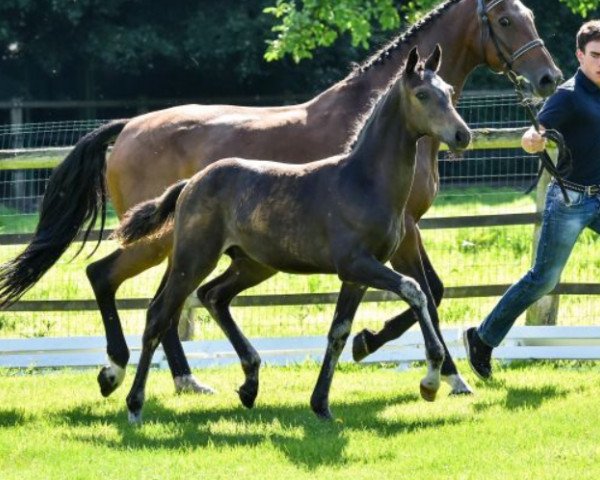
<point x="135" y="417"/>
<point x="187" y="383"/>
<point x="427" y="393"/>
<point x="108" y="381"/>
<point x="460" y="393"/>
<point x="458" y="385"/>
<point x="247" y="394"/>
<point x="360" y="349"/>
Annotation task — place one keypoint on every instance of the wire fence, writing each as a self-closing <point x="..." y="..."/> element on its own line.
<point x="481" y="182"/>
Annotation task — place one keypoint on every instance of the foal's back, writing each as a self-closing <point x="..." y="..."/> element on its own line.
<point x="279" y="214"/>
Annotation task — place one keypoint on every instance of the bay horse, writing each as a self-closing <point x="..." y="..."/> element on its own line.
<point x="154" y="150"/>
<point x="341" y="215"/>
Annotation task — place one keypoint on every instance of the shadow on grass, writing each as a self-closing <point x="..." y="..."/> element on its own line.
<point x="311" y="443"/>
<point x="518" y="398"/>
<point x="11" y="418"/>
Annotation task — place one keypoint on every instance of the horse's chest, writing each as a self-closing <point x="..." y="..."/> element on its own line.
<point x="383" y="235"/>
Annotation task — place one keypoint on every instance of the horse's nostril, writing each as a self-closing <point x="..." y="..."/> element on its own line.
<point x="462" y="137"/>
<point x="547" y="81"/>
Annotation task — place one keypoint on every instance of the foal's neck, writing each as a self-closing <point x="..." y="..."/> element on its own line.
<point x="384" y="154"/>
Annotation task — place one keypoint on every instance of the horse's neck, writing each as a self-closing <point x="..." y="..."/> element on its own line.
<point x="456" y="30"/>
<point x="384" y="154"/>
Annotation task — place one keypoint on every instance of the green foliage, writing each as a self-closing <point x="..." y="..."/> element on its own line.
<point x="582" y="7"/>
<point x="319" y="23"/>
<point x="61" y="49"/>
<point x="305" y="25"/>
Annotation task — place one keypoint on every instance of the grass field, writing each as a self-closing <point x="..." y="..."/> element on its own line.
<point x="469" y="256"/>
<point x="534" y="421"/>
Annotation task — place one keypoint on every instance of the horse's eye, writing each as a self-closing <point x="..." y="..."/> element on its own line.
<point x="422" y="96"/>
<point x="504" y="21"/>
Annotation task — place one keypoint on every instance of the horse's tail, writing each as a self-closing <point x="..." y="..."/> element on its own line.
<point x="150" y="216"/>
<point x="76" y="194"/>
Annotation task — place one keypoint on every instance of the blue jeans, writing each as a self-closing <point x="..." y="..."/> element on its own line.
<point x="561" y="226"/>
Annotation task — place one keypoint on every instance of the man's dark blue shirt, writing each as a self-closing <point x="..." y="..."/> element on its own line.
<point x="574" y="110"/>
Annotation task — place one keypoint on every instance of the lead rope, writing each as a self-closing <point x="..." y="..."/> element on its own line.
<point x="564" y="154"/>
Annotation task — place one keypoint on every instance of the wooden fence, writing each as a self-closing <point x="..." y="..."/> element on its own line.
<point x="544" y="313"/>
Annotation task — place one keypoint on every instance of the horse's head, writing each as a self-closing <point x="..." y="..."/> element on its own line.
<point x="428" y="102"/>
<point x="510" y="41"/>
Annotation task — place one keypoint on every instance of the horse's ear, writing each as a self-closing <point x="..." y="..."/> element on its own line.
<point x="434" y="60"/>
<point x="413" y="59"/>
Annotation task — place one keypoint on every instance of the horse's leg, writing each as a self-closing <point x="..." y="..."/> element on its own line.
<point x="217" y="295"/>
<point x="184" y="382"/>
<point x="106" y="276"/>
<point x="190" y="267"/>
<point x="368" y="271"/>
<point x="348" y="300"/>
<point x="412" y="259"/>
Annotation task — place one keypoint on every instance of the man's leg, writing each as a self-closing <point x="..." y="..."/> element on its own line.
<point x="561" y="227"/>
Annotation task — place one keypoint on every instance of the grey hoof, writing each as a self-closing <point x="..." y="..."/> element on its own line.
<point x="188" y="384"/>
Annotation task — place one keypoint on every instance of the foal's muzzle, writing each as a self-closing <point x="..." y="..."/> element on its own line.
<point x="461" y="140"/>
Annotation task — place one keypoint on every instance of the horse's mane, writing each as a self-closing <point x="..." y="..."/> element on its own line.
<point x="384" y="53"/>
<point x="363" y="121"/>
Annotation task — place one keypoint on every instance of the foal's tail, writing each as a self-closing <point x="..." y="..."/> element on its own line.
<point x="76" y="194"/>
<point x="150" y="216"/>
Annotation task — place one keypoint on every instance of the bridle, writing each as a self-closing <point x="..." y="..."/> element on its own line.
<point x="554" y="135"/>
<point x="482" y="11"/>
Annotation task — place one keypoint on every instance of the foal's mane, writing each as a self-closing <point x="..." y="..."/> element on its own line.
<point x="395" y="44"/>
<point x="363" y="121"/>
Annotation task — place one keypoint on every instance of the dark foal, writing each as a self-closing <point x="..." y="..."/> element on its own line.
<point x="154" y="150"/>
<point x="341" y="215"/>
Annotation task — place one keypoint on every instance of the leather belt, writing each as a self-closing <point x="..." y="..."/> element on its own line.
<point x="587" y="189"/>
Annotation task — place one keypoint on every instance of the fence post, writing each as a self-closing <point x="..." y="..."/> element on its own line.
<point x="19" y="177"/>
<point x="545" y="310"/>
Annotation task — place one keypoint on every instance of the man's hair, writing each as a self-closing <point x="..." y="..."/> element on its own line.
<point x="588" y="32"/>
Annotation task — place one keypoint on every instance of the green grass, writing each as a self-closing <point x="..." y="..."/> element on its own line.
<point x="534" y="421"/>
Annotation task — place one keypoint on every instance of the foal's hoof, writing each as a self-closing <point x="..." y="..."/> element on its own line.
<point x="135" y="418"/>
<point x="320" y="405"/>
<point x="323" y="413"/>
<point x="360" y="349"/>
<point x="427" y="392"/>
<point x="187" y="383"/>
<point x="247" y="394"/>
<point x="108" y="381"/>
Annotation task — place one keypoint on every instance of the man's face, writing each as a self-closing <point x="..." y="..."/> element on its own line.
<point x="589" y="61"/>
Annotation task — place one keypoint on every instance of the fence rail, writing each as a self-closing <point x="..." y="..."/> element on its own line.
<point x="572" y="343"/>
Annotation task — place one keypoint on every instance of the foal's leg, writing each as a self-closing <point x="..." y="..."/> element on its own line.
<point x="217" y="295"/>
<point x="106" y="276"/>
<point x="412" y="259"/>
<point x="368" y="271"/>
<point x="348" y="300"/>
<point x="187" y="272"/>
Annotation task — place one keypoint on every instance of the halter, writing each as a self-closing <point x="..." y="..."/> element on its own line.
<point x="482" y="11"/>
<point x="563" y="151"/>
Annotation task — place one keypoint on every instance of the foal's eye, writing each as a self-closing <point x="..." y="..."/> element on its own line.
<point x="504" y="21"/>
<point x="422" y="96"/>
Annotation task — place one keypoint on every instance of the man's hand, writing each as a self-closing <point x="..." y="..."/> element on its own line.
<point x="532" y="141"/>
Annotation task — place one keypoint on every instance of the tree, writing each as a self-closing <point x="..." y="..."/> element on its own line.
<point x="305" y="25"/>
